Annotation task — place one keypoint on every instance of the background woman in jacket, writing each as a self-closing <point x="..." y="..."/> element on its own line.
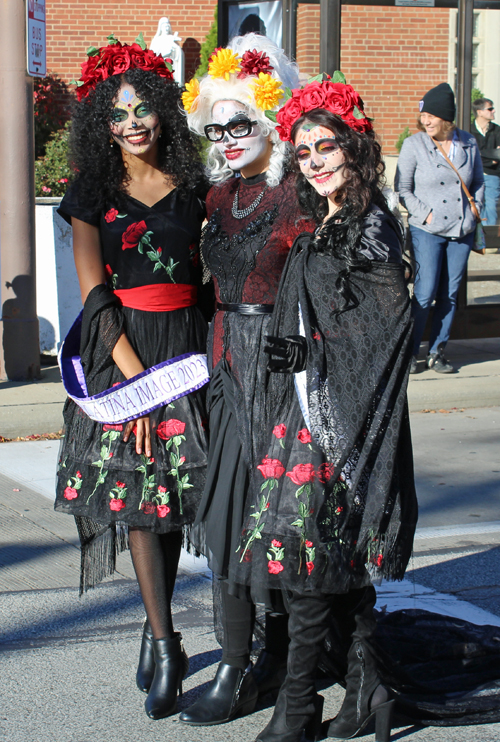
<point x="441" y="221"/>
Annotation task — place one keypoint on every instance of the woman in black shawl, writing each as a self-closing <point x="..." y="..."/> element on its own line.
<point x="335" y="498"/>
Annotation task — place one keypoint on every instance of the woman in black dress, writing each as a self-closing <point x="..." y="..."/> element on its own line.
<point x="136" y="210"/>
<point x="333" y="497"/>
<point x="253" y="219"/>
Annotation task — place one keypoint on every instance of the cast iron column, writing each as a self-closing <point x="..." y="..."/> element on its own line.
<point x="20" y="350"/>
<point x="329" y="36"/>
<point x="464" y="62"/>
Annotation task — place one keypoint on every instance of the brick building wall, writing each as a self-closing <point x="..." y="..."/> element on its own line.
<point x="73" y="27"/>
<point x="390" y="55"/>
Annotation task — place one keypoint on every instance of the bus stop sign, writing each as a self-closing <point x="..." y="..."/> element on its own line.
<point x="35" y="43"/>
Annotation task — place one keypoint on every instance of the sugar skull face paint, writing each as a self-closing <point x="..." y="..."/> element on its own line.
<point x="133" y="125"/>
<point x="246" y="154"/>
<point x="320" y="158"/>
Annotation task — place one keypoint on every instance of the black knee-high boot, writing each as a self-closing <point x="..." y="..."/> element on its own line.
<point x="298" y="707"/>
<point x="365" y="696"/>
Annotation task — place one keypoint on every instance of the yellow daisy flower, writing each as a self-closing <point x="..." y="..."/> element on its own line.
<point x="190" y="95"/>
<point x="223" y="64"/>
<point x="267" y="92"/>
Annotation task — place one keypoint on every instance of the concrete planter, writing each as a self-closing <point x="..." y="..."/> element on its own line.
<point x="58" y="293"/>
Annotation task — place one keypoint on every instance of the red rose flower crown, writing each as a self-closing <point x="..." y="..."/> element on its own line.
<point x="321" y="91"/>
<point x="116" y="58"/>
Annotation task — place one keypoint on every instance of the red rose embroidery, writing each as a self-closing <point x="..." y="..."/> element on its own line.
<point x="70" y="493"/>
<point x="309" y="544"/>
<point x="111" y="215"/>
<point x="79" y="474"/>
<point x="162" y="511"/>
<point x="271" y="468"/>
<point x="279" y="431"/>
<point x="162" y="489"/>
<point x="182" y="460"/>
<point x="116" y="504"/>
<point x="112" y="427"/>
<point x="301" y="473"/>
<point x="248" y="556"/>
<point x="274" y="568"/>
<point x="310" y="567"/>
<point x="338" y="510"/>
<point x="379" y="560"/>
<point x="304" y="436"/>
<point x="132" y="235"/>
<point x="148" y="508"/>
<point x="120" y="485"/>
<point x="316" y="336"/>
<point x="276" y="543"/>
<point x="325" y="472"/>
<point x="168" y="428"/>
<point x="159" y="251"/>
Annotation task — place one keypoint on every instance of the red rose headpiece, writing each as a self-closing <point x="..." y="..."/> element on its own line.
<point x="117" y="58"/>
<point x="333" y="95"/>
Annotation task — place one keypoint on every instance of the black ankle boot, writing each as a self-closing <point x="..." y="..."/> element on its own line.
<point x="146" y="667"/>
<point x="284" y="727"/>
<point x="171" y="666"/>
<point x="269" y="672"/>
<point x="232" y="693"/>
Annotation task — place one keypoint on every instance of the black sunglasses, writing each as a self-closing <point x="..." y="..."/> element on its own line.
<point x="491" y="108"/>
<point x="236" y="129"/>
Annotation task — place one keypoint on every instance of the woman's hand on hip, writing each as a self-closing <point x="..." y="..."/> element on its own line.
<point x="142" y="434"/>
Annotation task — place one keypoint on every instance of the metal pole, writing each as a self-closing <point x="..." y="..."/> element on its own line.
<point x="464" y="62"/>
<point x="329" y="36"/>
<point x="20" y="349"/>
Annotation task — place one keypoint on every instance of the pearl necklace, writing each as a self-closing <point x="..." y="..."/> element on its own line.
<point x="242" y="213"/>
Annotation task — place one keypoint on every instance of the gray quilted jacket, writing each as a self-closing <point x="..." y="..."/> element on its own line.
<point x="426" y="182"/>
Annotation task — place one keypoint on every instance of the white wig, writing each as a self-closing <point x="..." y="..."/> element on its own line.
<point x="241" y="90"/>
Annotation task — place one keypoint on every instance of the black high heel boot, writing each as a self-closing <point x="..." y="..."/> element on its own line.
<point x="298" y="707"/>
<point x="365" y="696"/>
<point x="171" y="666"/>
<point x="146" y="667"/>
<point x="232" y="693"/>
<point x="279" y="728"/>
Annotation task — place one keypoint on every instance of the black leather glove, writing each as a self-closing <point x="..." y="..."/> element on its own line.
<point x="291" y="352"/>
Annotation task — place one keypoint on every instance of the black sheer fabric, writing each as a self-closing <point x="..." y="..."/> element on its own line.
<point x="328" y="499"/>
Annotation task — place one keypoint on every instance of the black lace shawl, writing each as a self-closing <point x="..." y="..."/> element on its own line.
<point x="357" y="374"/>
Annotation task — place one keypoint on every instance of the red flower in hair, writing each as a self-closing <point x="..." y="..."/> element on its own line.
<point x="253" y="62"/>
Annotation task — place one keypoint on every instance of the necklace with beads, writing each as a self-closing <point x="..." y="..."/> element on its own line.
<point x="242" y="213"/>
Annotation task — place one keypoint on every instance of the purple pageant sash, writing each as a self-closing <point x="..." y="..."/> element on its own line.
<point x="157" y="386"/>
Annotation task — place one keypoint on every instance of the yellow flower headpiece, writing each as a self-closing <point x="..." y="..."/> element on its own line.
<point x="267" y="91"/>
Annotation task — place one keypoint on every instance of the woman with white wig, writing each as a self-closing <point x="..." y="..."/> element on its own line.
<point x="253" y="220"/>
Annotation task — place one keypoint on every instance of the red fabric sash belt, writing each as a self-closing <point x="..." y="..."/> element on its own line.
<point x="160" y="297"/>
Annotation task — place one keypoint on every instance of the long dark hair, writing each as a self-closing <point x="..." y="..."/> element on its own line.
<point x="340" y="235"/>
<point x="97" y="161"/>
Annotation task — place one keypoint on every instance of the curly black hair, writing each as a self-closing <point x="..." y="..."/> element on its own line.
<point x="363" y="168"/>
<point x="97" y="161"/>
<point x="364" y="172"/>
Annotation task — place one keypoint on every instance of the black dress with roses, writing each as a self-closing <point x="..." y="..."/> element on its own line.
<point x="246" y="257"/>
<point x="100" y="477"/>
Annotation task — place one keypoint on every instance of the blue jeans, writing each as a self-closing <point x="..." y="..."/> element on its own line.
<point x="441" y="262"/>
<point x="491" y="198"/>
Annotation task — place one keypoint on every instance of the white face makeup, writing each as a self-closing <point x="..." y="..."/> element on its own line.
<point x="244" y="153"/>
<point x="320" y="158"/>
<point x="133" y="125"/>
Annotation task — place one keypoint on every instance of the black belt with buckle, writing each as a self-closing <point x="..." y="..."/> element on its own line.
<point x="246" y="308"/>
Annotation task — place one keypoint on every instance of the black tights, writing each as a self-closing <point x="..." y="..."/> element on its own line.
<point x="155" y="557"/>
<point x="238" y="618"/>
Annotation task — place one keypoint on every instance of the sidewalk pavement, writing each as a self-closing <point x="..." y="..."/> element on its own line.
<point x="36" y="407"/>
<point x="68" y="664"/>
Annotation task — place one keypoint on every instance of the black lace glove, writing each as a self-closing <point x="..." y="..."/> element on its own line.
<point x="291" y="352"/>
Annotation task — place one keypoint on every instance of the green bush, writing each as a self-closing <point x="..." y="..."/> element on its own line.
<point x="51" y="99"/>
<point x="207" y="48"/>
<point x="52" y="171"/>
<point x="404" y="135"/>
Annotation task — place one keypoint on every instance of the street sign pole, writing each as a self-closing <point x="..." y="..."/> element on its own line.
<point x="19" y="346"/>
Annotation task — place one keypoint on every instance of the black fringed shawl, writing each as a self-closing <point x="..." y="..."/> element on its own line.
<point x="357" y="374"/>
